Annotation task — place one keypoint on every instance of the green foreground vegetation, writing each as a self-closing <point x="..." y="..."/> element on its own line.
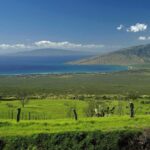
<point x="61" y="109"/>
<point x="109" y="133"/>
<point x="11" y="128"/>
<point x="59" y="129"/>
<point x="47" y="103"/>
<point x="51" y="109"/>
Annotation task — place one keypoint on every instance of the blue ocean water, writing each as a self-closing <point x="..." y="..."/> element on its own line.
<point x="10" y="65"/>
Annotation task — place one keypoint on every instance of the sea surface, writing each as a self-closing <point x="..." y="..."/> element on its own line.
<point x="11" y="65"/>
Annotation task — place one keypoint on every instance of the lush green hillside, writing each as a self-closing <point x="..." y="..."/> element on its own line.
<point x="110" y="133"/>
<point x="10" y="128"/>
<point x="113" y="132"/>
<point x="62" y="109"/>
<point x="128" y="56"/>
<point x="77" y="84"/>
<point x="42" y="109"/>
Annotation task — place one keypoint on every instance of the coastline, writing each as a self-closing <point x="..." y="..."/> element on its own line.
<point x="122" y="68"/>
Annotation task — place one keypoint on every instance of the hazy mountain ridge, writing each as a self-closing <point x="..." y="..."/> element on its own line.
<point x="127" y="56"/>
<point x="51" y="52"/>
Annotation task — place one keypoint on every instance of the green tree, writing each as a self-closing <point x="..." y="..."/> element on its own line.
<point x="23" y="96"/>
<point x="132" y="96"/>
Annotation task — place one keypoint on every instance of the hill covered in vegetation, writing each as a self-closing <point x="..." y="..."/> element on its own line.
<point x="127" y="56"/>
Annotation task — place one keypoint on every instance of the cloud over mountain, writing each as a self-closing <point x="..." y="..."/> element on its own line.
<point x="65" y="44"/>
<point x="48" y="44"/>
<point x="12" y="46"/>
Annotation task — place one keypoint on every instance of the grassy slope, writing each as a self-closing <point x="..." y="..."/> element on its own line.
<point x="64" y="134"/>
<point x="73" y="84"/>
<point x="11" y="128"/>
<point x="113" y="83"/>
<point x="51" y="109"/>
<point x="61" y="109"/>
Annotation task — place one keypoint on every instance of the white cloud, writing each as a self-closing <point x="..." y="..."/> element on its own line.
<point x="142" y="38"/>
<point x="12" y="46"/>
<point x="65" y="44"/>
<point x="120" y="27"/>
<point x="137" y="27"/>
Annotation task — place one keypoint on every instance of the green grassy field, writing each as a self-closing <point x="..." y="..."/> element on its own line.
<point x="11" y="128"/>
<point x="61" y="109"/>
<point x="109" y="133"/>
<point x="60" y="131"/>
<point x="47" y="119"/>
<point x="78" y="84"/>
<point x="51" y="109"/>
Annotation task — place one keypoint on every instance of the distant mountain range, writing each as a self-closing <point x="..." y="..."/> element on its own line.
<point x="127" y="56"/>
<point x="51" y="52"/>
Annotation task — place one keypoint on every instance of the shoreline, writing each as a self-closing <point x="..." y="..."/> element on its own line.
<point x="126" y="68"/>
<point x="60" y="74"/>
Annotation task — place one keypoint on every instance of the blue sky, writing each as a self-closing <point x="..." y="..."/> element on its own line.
<point x="93" y="25"/>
